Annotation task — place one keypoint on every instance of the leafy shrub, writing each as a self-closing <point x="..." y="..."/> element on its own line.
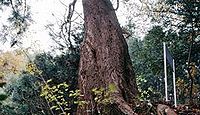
<point x="24" y="97"/>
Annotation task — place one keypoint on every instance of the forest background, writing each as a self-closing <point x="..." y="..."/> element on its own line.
<point x="34" y="81"/>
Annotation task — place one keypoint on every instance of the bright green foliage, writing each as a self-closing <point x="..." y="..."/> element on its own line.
<point x="103" y="97"/>
<point x="76" y="95"/>
<point x="53" y="74"/>
<point x="60" y="98"/>
<point x="56" y="96"/>
<point x="32" y="69"/>
<point x="57" y="72"/>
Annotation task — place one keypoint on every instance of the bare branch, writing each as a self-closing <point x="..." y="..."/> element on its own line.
<point x="117" y="5"/>
<point x="74" y="10"/>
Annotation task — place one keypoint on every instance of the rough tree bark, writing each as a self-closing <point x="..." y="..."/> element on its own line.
<point x="105" y="59"/>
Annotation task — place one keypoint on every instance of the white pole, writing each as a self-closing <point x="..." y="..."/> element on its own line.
<point x="174" y="82"/>
<point x="165" y="71"/>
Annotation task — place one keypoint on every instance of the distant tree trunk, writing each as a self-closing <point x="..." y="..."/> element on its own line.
<point x="104" y="59"/>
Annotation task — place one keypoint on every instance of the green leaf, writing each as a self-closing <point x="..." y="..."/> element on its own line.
<point x="112" y="87"/>
<point x="53" y="107"/>
<point x="49" y="80"/>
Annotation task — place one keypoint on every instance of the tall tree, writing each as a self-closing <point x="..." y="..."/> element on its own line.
<point x="104" y="59"/>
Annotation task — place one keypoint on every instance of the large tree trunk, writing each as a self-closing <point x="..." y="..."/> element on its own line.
<point x="105" y="59"/>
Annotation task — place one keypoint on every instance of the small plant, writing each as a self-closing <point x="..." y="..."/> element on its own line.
<point x="56" y="96"/>
<point x="103" y="97"/>
<point x="76" y="95"/>
<point x="32" y="69"/>
<point x="60" y="98"/>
